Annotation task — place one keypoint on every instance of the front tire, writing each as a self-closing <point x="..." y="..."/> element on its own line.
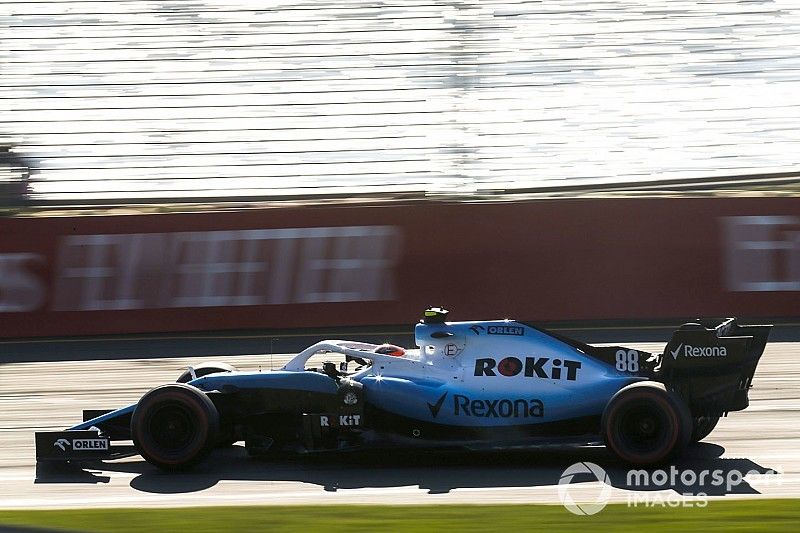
<point x="645" y="424"/>
<point x="174" y="426"/>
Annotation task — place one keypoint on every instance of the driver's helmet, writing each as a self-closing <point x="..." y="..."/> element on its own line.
<point x="390" y="349"/>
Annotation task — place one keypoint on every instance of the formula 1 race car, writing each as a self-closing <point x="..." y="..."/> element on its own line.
<point x="499" y="383"/>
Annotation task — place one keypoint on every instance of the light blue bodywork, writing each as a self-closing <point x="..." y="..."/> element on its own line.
<point x="438" y="383"/>
<point x="413" y="391"/>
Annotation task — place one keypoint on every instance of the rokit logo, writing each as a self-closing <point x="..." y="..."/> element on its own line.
<point x="699" y="351"/>
<point x="343" y="421"/>
<point x="540" y="367"/>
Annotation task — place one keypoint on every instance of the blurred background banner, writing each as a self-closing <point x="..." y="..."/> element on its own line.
<point x="434" y="112"/>
<point x="116" y="102"/>
<point x="556" y="260"/>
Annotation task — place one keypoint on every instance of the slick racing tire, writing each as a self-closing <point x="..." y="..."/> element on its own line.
<point x="174" y="426"/>
<point x="226" y="438"/>
<point x="204" y="370"/>
<point x="645" y="424"/>
<point x="703" y="426"/>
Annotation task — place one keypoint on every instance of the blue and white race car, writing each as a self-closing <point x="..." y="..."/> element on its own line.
<point x="469" y="385"/>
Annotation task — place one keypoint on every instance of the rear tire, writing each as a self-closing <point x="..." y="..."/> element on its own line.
<point x="703" y="426"/>
<point x="204" y="370"/>
<point x="174" y="426"/>
<point x="645" y="424"/>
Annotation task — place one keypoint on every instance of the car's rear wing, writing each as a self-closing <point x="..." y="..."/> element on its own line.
<point x="711" y="364"/>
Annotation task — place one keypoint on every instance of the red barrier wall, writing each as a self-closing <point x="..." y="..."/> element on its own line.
<point x="337" y="266"/>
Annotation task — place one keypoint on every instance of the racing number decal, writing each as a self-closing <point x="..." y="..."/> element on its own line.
<point x="627" y="361"/>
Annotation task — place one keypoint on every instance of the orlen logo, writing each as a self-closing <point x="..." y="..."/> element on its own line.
<point x="505" y="330"/>
<point x="699" y="351"/>
<point x="540" y="367"/>
<point x="519" y="408"/>
<point x="89" y="444"/>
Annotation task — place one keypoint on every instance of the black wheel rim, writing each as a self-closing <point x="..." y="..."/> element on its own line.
<point x="172" y="427"/>
<point x="643" y="427"/>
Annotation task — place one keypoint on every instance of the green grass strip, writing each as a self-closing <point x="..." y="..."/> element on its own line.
<point x="727" y="516"/>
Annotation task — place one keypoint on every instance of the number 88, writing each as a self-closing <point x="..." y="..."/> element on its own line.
<point x="627" y="361"/>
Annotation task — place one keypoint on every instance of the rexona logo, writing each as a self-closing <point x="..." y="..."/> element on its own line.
<point x="505" y="330"/>
<point x="519" y="408"/>
<point x="540" y="367"/>
<point x="699" y="351"/>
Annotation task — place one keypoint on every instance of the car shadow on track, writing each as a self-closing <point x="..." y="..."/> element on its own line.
<point x="437" y="471"/>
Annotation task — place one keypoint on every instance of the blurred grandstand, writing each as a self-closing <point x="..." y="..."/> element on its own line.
<point x="131" y="101"/>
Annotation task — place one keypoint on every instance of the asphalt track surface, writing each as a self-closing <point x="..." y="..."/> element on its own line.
<point x="51" y="395"/>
